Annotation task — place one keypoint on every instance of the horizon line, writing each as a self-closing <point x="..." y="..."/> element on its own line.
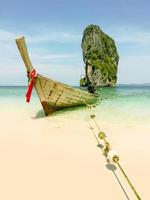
<point x="119" y="84"/>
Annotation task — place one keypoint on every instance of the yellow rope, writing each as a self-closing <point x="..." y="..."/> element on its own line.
<point x="129" y="182"/>
<point x="107" y="148"/>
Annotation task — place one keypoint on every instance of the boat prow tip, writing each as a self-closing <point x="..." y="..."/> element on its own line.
<point x="19" y="38"/>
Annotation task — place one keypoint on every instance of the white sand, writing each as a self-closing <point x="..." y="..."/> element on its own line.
<point x="55" y="158"/>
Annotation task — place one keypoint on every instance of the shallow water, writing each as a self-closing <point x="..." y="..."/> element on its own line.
<point x="120" y="104"/>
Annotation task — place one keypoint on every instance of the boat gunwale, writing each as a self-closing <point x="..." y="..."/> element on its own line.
<point x="67" y="86"/>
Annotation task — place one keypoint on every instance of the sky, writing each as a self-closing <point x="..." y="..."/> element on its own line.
<point x="53" y="30"/>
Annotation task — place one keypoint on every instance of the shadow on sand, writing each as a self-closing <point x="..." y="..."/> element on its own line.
<point x="41" y="114"/>
<point x="113" y="168"/>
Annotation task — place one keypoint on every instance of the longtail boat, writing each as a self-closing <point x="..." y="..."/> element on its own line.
<point x="53" y="95"/>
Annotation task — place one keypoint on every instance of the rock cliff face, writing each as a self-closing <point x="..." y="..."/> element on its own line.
<point x="100" y="57"/>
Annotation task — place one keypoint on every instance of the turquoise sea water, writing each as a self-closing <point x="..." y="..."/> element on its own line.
<point x="121" y="104"/>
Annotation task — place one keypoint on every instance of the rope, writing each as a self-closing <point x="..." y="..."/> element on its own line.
<point x="129" y="182"/>
<point x="110" y="155"/>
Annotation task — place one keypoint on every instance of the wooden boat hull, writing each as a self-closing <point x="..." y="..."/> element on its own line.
<point x="54" y="95"/>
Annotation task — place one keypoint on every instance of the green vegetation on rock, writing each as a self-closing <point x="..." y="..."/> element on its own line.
<point x="100" y="57"/>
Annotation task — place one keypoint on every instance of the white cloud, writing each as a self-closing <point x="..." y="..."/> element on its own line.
<point x="6" y="36"/>
<point x="67" y="67"/>
<point x="134" y="48"/>
<point x="130" y="34"/>
<point x="61" y="37"/>
<point x="11" y="66"/>
<point x="48" y="58"/>
<point x="134" y="69"/>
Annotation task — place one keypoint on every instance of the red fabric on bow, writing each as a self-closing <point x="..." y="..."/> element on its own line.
<point x="31" y="75"/>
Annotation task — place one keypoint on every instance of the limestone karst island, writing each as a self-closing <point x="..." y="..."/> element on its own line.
<point x="100" y="57"/>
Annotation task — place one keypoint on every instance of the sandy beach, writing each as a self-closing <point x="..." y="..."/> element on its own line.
<point x="63" y="56"/>
<point x="58" y="158"/>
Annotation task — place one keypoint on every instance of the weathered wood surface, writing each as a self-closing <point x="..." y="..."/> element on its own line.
<point x="54" y="95"/>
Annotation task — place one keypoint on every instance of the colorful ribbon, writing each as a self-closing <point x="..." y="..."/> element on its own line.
<point x="31" y="76"/>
